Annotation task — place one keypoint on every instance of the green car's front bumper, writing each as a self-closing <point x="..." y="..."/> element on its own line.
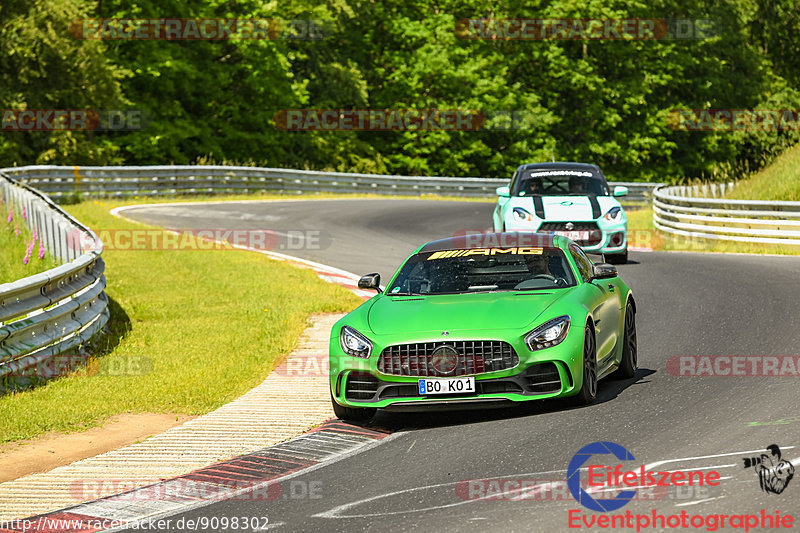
<point x="546" y="373"/>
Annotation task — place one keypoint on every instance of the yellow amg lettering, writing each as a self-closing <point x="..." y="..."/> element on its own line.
<point x="479" y="251"/>
<point x="501" y="251"/>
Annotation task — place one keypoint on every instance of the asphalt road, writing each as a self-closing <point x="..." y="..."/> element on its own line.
<point x="689" y="304"/>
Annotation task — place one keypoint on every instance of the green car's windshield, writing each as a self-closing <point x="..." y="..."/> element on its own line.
<point x="482" y="270"/>
<point x="560" y="183"/>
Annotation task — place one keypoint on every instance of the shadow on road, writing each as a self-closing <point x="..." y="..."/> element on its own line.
<point x="608" y="390"/>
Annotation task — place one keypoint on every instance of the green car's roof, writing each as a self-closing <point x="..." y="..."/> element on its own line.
<point x="493" y="240"/>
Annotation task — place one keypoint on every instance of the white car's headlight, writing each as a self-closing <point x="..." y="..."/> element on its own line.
<point x="354" y="343"/>
<point x="548" y="334"/>
<point x="614" y="214"/>
<point x="521" y="215"/>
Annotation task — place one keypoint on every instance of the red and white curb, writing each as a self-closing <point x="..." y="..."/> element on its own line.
<point x="255" y="476"/>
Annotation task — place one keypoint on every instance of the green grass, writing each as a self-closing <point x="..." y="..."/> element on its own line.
<point x="778" y="181"/>
<point x="14" y="237"/>
<point x="190" y="331"/>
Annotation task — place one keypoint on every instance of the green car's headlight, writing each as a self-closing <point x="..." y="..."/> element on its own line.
<point x="354" y="343"/>
<point x="548" y="334"/>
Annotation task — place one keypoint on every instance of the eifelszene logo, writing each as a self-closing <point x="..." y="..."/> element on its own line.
<point x="602" y="478"/>
<point x="774" y="473"/>
<point x="574" y="476"/>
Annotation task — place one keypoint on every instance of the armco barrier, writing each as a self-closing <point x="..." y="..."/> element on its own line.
<point x="171" y="180"/>
<point x="48" y="314"/>
<point x="687" y="211"/>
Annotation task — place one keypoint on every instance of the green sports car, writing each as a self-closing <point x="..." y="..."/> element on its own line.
<point x="481" y="321"/>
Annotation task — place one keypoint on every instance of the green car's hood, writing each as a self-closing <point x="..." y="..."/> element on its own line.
<point x="454" y="312"/>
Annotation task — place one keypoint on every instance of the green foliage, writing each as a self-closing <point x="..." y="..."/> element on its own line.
<point x="602" y="101"/>
<point x="44" y="67"/>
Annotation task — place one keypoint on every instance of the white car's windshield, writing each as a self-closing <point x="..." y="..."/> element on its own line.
<point x="560" y="183"/>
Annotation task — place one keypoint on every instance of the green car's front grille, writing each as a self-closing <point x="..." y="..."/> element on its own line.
<point x="473" y="357"/>
<point x="538" y="379"/>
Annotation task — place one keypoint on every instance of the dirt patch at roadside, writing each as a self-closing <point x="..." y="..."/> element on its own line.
<point x="44" y="453"/>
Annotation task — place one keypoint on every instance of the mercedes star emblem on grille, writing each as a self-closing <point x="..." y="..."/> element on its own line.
<point x="444" y="360"/>
<point x="569" y="225"/>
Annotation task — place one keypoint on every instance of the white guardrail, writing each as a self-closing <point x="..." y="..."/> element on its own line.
<point x="63" y="181"/>
<point x="689" y="211"/>
<point x="58" y="310"/>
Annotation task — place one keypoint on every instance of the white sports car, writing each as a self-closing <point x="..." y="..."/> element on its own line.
<point x="569" y="199"/>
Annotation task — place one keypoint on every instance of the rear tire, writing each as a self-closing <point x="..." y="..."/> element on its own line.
<point x="588" y="391"/>
<point x="616" y="259"/>
<point x="353" y="414"/>
<point x="630" y="354"/>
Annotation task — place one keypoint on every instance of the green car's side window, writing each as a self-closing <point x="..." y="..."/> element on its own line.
<point x="583" y="262"/>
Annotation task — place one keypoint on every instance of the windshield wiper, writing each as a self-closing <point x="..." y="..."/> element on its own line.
<point x="406" y="294"/>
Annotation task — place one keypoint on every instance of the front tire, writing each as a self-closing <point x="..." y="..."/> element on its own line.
<point x="630" y="354"/>
<point x="616" y="259"/>
<point x="352" y="414"/>
<point x="588" y="391"/>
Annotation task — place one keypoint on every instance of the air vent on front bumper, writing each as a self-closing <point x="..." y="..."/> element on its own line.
<point x="360" y="386"/>
<point x="542" y="378"/>
<point x="474" y="357"/>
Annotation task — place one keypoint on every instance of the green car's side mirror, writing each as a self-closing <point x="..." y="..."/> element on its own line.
<point x="619" y="190"/>
<point x="370" y="281"/>
<point x="604" y="271"/>
<point x="503" y="191"/>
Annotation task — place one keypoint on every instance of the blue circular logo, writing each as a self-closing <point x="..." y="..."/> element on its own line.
<point x="574" y="476"/>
